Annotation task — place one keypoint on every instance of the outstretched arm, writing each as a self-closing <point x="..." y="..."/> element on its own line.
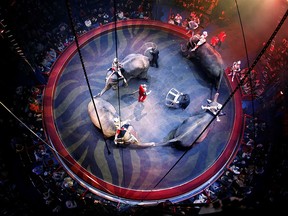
<point x="216" y="97"/>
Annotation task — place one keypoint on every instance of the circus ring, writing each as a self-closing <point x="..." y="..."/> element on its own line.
<point x="137" y="175"/>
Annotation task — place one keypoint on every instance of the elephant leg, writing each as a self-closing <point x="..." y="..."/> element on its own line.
<point x="125" y="83"/>
<point x="132" y="139"/>
<point x="106" y="88"/>
<point x="144" y="76"/>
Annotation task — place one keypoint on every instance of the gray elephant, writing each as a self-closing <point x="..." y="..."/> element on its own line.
<point x="106" y="113"/>
<point x="195" y="128"/>
<point x="123" y="132"/>
<point x="132" y="66"/>
<point x="192" y="130"/>
<point x="126" y="135"/>
<point x="206" y="57"/>
<point x="135" y="66"/>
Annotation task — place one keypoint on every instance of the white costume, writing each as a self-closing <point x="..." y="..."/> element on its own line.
<point x="214" y="107"/>
<point x="116" y="66"/>
<point x="201" y="41"/>
<point x="235" y="69"/>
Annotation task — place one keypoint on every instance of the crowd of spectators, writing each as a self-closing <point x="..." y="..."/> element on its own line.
<point x="241" y="187"/>
<point x="199" y="15"/>
<point x="206" y="6"/>
<point x="49" y="34"/>
<point x="269" y="70"/>
<point x="250" y="182"/>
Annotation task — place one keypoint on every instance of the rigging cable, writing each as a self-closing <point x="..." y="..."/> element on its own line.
<point x="116" y="55"/>
<point x="118" y="83"/>
<point x="249" y="73"/>
<point x="84" y="70"/>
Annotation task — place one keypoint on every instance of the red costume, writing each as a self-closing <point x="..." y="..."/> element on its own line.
<point x="222" y="37"/>
<point x="142" y="93"/>
<point x="214" y="41"/>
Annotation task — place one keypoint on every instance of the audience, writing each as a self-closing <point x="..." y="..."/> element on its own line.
<point x="240" y="187"/>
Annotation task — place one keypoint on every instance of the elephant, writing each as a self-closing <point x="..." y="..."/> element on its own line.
<point x="110" y="123"/>
<point x="106" y="113"/>
<point x="132" y="66"/>
<point x="192" y="130"/>
<point x="205" y="57"/>
<point x="135" y="66"/>
<point x="126" y="134"/>
<point x="111" y="81"/>
<point x="195" y="128"/>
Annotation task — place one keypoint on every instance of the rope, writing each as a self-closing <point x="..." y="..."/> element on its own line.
<point x="116" y="55"/>
<point x="118" y="83"/>
<point x="84" y="70"/>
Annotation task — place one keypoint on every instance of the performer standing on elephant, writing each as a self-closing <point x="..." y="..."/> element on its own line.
<point x="143" y="92"/>
<point x="155" y="55"/>
<point x="201" y="41"/>
<point x="117" y="67"/>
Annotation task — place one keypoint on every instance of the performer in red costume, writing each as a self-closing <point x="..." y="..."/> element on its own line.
<point x="214" y="41"/>
<point x="222" y="36"/>
<point x="143" y="92"/>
